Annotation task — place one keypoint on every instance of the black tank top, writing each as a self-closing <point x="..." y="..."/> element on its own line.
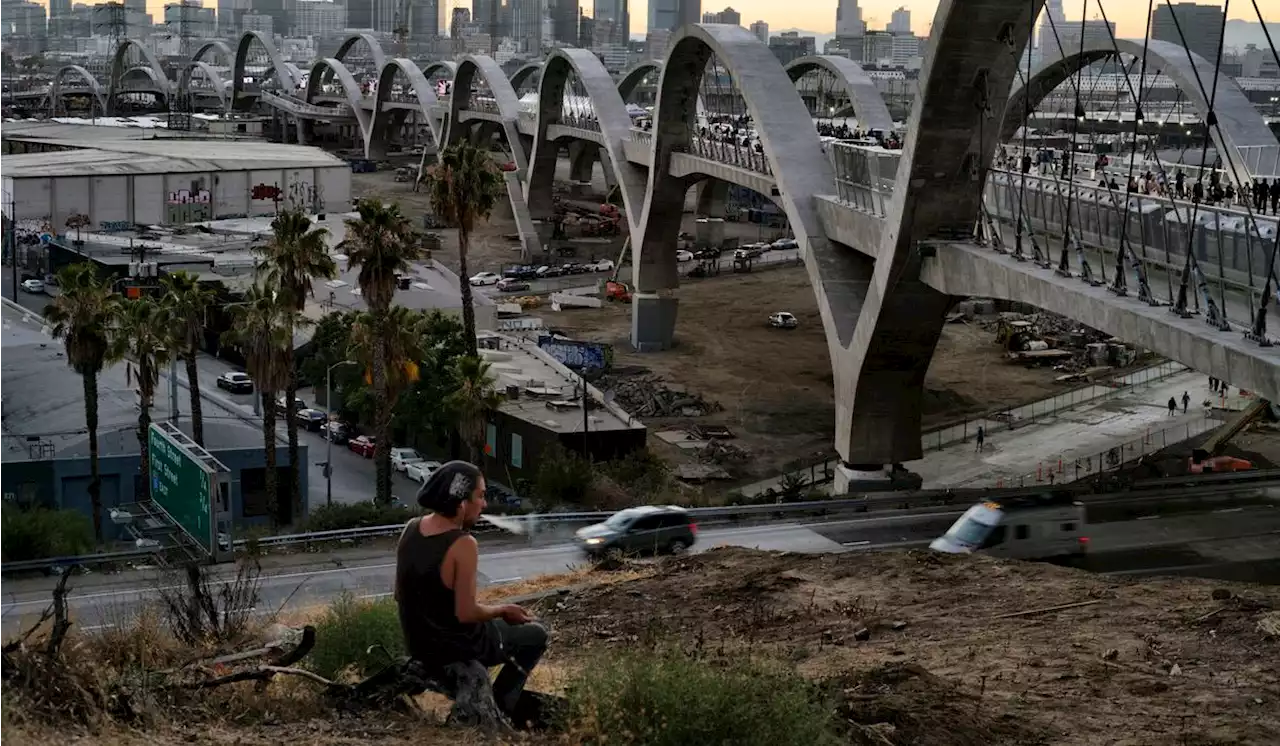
<point x="428" y="616"/>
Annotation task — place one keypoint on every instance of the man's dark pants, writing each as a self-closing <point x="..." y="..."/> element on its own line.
<point x="522" y="648"/>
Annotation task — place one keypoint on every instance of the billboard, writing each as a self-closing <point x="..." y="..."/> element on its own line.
<point x="577" y="355"/>
<point x="183" y="485"/>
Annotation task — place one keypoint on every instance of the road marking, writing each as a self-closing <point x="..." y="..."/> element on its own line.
<point x="500" y="581"/>
<point x="855" y="543"/>
<point x="1229" y="510"/>
<point x="375" y="595"/>
<point x="1146" y="518"/>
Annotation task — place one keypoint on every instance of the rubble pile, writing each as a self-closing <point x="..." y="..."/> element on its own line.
<point x="650" y="396"/>
<point x="724" y="454"/>
<point x="1089" y="347"/>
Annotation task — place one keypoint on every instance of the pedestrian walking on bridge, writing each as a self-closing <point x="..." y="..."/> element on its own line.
<point x="1186" y="401"/>
<point x="1173" y="406"/>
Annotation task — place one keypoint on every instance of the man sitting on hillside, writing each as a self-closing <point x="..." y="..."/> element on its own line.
<point x="435" y="589"/>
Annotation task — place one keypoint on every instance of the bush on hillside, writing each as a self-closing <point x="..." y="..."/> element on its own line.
<point x="349" y="628"/>
<point x="563" y="477"/>
<point x="671" y="699"/>
<point x="40" y="533"/>
<point x="356" y="515"/>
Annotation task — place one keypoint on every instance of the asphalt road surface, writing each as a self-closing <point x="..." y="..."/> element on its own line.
<point x="1242" y="543"/>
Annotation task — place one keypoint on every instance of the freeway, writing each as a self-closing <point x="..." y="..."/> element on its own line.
<point x="1241" y="535"/>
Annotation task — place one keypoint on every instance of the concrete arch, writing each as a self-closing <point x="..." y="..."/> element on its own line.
<point x="504" y="96"/>
<point x="219" y="85"/>
<point x="794" y="151"/>
<point x="968" y="71"/>
<point x="523" y="74"/>
<point x="217" y="45"/>
<point x="375" y="49"/>
<point x="432" y="68"/>
<point x="422" y="89"/>
<point x="1239" y="123"/>
<point x="868" y="104"/>
<point x="615" y="127"/>
<point x="55" y="88"/>
<point x="632" y="78"/>
<point x="284" y="72"/>
<point x="118" y="70"/>
<point x="350" y="88"/>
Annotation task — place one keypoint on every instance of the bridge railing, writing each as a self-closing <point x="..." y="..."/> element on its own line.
<point x="732" y="154"/>
<point x="864" y="175"/>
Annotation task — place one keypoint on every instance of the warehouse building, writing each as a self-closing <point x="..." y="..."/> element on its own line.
<point x="119" y="178"/>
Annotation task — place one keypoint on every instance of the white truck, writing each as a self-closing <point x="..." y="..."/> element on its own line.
<point x="1044" y="526"/>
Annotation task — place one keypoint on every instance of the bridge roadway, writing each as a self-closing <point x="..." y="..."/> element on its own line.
<point x="1231" y="537"/>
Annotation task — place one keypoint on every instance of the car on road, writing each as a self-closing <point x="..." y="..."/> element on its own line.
<point x="511" y="285"/>
<point x="337" y="432"/>
<point x="402" y="457"/>
<point x="282" y="405"/>
<point x="684" y="255"/>
<point x="312" y="420"/>
<point x="648" y="529"/>
<point x="600" y="265"/>
<point x="485" y="278"/>
<point x="33" y="286"/>
<point x="363" y="445"/>
<point x="1046" y="526"/>
<point x="525" y="272"/>
<point x="236" y="382"/>
<point x="421" y="471"/>
<point x="549" y="271"/>
<point x="785" y="244"/>
<point x="783" y="320"/>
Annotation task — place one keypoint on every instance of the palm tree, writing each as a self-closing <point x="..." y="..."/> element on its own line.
<point x="381" y="243"/>
<point x="295" y="255"/>
<point x="142" y="337"/>
<point x="463" y="188"/>
<point x="81" y="316"/>
<point x="402" y="345"/>
<point x="263" y="332"/>
<point x="185" y="303"/>
<point x="472" y="400"/>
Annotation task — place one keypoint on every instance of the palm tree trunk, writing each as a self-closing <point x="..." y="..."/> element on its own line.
<point x="193" y="387"/>
<point x="382" y="415"/>
<point x="95" y="474"/>
<point x="269" y="443"/>
<point x="464" y="289"/>
<point x="144" y="428"/>
<point x="291" y="426"/>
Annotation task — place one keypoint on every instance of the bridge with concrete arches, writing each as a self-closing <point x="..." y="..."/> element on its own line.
<point x="891" y="240"/>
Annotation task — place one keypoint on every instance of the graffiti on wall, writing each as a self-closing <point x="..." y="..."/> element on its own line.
<point x="299" y="195"/>
<point x="189" y="205"/>
<point x="115" y="225"/>
<point x="578" y="356"/>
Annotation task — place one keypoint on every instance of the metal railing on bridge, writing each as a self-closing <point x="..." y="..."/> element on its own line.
<point x="864" y="175"/>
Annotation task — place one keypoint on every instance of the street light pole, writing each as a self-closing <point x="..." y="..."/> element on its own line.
<point x="328" y="434"/>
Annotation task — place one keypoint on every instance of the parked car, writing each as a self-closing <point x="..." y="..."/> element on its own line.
<point x="338" y="432"/>
<point x="783" y="320"/>
<point x="648" y="529"/>
<point x="362" y="444"/>
<point x="421" y="471"/>
<point x="600" y="265"/>
<point x="282" y="405"/>
<point x="402" y="457"/>
<point x="521" y="273"/>
<point x="312" y="420"/>
<point x="33" y="286"/>
<point x="547" y="270"/>
<point x="684" y="255"/>
<point x="510" y="285"/>
<point x="236" y="382"/>
<point x="485" y="278"/>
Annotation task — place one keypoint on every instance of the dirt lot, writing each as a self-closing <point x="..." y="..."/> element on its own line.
<point x="1145" y="663"/>
<point x="776" y="386"/>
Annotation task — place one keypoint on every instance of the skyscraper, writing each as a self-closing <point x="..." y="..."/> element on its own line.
<point x="849" y="19"/>
<point x="1052" y="10"/>
<point x="614" y="15"/>
<point x="564" y="21"/>
<point x="670" y="15"/>
<point x="1201" y="26"/>
<point x="760" y="30"/>
<point x="901" y="22"/>
<point x="426" y="20"/>
<point x="526" y="24"/>
<point x="728" y="16"/>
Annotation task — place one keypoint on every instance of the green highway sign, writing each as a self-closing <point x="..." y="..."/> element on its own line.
<point x="182" y="484"/>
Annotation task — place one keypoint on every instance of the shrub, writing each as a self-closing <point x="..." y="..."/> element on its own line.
<point x="563" y="476"/>
<point x="39" y="533"/>
<point x="642" y="473"/>
<point x="356" y="515"/>
<point x="670" y="699"/>
<point x="347" y="631"/>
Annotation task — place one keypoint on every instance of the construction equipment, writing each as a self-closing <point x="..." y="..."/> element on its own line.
<point x="617" y="291"/>
<point x="404" y="173"/>
<point x="1209" y="458"/>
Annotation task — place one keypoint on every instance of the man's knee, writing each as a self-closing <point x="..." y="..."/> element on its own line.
<point x="530" y="635"/>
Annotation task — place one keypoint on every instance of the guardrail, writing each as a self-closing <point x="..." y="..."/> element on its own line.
<point x="1175" y="486"/>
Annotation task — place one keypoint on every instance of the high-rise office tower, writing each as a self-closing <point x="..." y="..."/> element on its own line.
<point x="426" y="19"/>
<point x="1201" y="26"/>
<point x="274" y="9"/>
<point x="849" y="19"/>
<point x="615" y="15"/>
<point x="760" y="30"/>
<point x="669" y="15"/>
<point x="1052" y="18"/>
<point x="900" y="22"/>
<point x="728" y="15"/>
<point x="564" y="21"/>
<point x="526" y="24"/>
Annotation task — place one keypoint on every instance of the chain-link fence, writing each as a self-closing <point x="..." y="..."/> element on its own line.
<point x="1014" y="417"/>
<point x="1061" y="469"/>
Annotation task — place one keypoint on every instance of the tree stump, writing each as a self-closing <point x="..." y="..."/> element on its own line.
<point x="471" y="690"/>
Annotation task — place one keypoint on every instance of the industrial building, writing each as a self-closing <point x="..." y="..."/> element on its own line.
<point x="121" y="177"/>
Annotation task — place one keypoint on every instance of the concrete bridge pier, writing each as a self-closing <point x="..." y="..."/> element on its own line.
<point x="712" y="198"/>
<point x="653" y="320"/>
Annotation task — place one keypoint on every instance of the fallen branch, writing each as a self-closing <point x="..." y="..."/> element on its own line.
<point x="261" y="673"/>
<point x="1047" y="609"/>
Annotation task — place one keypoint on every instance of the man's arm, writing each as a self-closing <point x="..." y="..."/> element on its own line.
<point x="466" y="558"/>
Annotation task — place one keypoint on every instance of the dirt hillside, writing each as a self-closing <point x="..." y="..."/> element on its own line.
<point x="915" y="642"/>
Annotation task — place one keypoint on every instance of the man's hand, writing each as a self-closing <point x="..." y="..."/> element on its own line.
<point x="513" y="614"/>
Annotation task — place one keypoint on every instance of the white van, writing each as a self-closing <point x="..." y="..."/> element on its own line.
<point x="1037" y="527"/>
